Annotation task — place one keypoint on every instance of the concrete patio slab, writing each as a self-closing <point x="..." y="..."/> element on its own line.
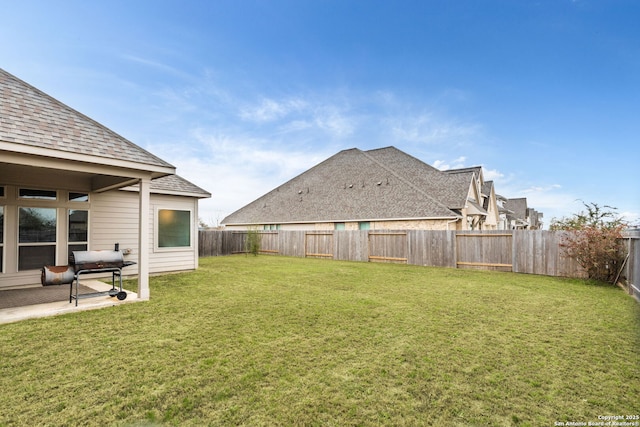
<point x="15" y="314"/>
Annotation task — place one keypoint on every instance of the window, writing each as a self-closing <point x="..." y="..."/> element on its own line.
<point x="174" y="228"/>
<point x="338" y="226"/>
<point x="78" y="197"/>
<point x="78" y="230"/>
<point x="365" y="225"/>
<point x="36" y="238"/>
<point x="27" y="193"/>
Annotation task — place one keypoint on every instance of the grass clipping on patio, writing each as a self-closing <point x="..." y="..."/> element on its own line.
<point x="287" y="341"/>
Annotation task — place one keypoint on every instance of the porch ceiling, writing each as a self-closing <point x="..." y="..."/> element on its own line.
<point x="62" y="178"/>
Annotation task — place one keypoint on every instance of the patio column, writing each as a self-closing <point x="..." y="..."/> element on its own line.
<point x="143" y="240"/>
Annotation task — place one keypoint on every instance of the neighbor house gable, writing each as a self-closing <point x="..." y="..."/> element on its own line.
<point x="349" y="186"/>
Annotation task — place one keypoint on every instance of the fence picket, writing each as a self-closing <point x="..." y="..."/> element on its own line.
<point x="521" y="251"/>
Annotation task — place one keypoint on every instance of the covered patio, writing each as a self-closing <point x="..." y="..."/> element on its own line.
<point x="35" y="302"/>
<point x="60" y="176"/>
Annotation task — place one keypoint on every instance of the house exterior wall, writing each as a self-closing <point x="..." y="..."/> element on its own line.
<point x="11" y="202"/>
<point x="113" y="218"/>
<point x="493" y="218"/>
<point x="424" y="224"/>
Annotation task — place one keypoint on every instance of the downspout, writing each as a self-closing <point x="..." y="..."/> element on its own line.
<point x="449" y="222"/>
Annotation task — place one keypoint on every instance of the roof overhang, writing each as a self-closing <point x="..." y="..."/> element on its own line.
<point x="474" y="209"/>
<point x="64" y="170"/>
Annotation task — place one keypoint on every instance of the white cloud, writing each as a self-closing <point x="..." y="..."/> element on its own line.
<point x="236" y="168"/>
<point x="441" y="165"/>
<point x="492" y="174"/>
<point x="269" y="110"/>
<point x="444" y="165"/>
<point x="633" y="218"/>
<point x="159" y="66"/>
<point x="334" y="122"/>
<point x="550" y="199"/>
<point x="427" y="128"/>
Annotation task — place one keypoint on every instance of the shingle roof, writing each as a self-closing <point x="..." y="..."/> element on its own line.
<point x="30" y="117"/>
<point x="358" y="185"/>
<point x="487" y="188"/>
<point x="174" y="184"/>
<point x="518" y="206"/>
<point x="449" y="188"/>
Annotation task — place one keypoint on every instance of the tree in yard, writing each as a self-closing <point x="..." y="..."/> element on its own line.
<point x="594" y="240"/>
<point x="252" y="242"/>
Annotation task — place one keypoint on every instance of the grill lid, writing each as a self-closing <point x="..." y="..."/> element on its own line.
<point x="94" y="260"/>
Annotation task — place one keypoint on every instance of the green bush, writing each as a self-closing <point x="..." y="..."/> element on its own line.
<point x="252" y="242"/>
<point x="594" y="240"/>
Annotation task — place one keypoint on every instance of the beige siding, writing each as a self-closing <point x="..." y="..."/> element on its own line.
<point x="114" y="219"/>
<point x="162" y="260"/>
<point x="424" y="224"/>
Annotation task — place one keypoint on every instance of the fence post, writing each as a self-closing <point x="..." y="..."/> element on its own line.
<point x="534" y="252"/>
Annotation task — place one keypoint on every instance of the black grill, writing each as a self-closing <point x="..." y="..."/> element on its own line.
<point x="96" y="260"/>
<point x="86" y="262"/>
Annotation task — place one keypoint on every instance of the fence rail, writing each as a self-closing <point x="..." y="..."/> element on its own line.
<point x="520" y="251"/>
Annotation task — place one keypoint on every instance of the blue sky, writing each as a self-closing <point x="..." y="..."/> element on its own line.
<point x="242" y="96"/>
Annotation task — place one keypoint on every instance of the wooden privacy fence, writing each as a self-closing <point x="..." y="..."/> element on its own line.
<point x="520" y="251"/>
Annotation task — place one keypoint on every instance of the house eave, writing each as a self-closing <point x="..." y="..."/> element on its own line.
<point x="38" y="156"/>
<point x="134" y="189"/>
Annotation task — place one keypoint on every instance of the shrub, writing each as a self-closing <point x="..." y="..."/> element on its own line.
<point x="594" y="240"/>
<point x="252" y="242"/>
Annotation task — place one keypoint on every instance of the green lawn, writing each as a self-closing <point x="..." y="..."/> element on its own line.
<point x="289" y="341"/>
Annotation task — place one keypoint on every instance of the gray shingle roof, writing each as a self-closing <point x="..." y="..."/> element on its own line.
<point x="487" y="188"/>
<point x="361" y="185"/>
<point x="518" y="207"/>
<point x="30" y="117"/>
<point x="174" y="184"/>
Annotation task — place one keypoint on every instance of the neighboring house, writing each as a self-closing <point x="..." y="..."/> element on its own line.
<point x="68" y="183"/>
<point x="381" y="189"/>
<point x="490" y="204"/>
<point x="515" y="215"/>
<point x="535" y="219"/>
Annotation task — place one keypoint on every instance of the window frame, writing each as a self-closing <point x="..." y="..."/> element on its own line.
<point x="156" y="230"/>
<point x="77" y="242"/>
<point x="36" y="198"/>
<point x="53" y="243"/>
<point x="75" y="200"/>
<point x="364" y="225"/>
